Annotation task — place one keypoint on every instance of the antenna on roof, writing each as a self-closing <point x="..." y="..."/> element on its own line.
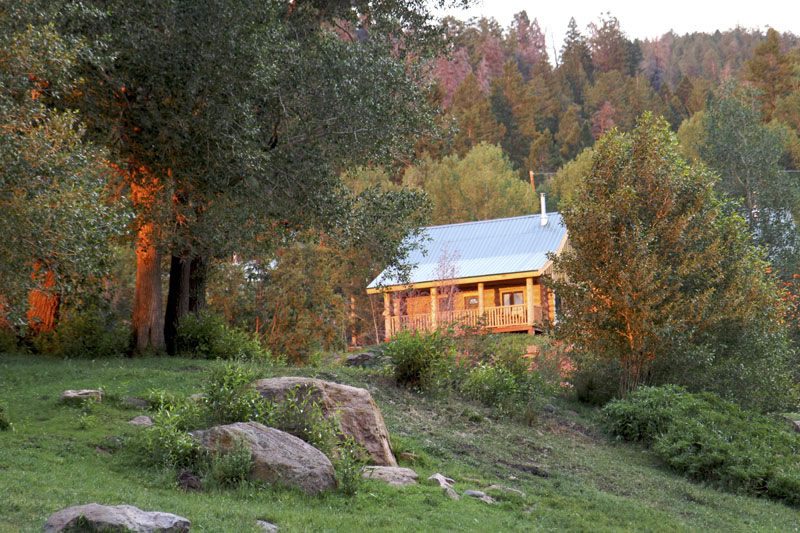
<point x="543" y="215"/>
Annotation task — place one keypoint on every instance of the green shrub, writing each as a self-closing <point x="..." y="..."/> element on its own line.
<point x="711" y="440"/>
<point x="230" y="468"/>
<point x="518" y="394"/>
<point x="596" y="382"/>
<point x="300" y="415"/>
<point x="88" y="333"/>
<point x="228" y="396"/>
<point x="348" y="462"/>
<point x="207" y="336"/>
<point x="167" y="443"/>
<point x="421" y="360"/>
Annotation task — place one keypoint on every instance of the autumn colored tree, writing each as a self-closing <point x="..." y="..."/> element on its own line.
<point x="662" y="280"/>
<point x="771" y="71"/>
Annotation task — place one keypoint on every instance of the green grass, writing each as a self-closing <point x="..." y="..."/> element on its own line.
<point x="57" y="456"/>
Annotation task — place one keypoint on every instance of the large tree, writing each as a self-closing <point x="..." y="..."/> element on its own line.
<point x="229" y="122"/>
<point x="662" y="279"/>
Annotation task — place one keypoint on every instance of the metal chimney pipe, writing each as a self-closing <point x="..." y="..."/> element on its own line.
<point x="543" y="215"/>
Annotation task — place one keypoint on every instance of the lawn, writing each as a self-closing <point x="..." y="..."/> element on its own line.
<point x="572" y="475"/>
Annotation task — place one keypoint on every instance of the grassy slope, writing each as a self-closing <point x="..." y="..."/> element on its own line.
<point x="57" y="456"/>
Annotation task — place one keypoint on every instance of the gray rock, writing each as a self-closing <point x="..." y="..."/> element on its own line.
<point x="549" y="408"/>
<point x="392" y="475"/>
<point x="482" y="496"/>
<point x="82" y="395"/>
<point x="278" y="457"/>
<point x="354" y="409"/>
<point x="446" y="484"/>
<point x="188" y="481"/>
<point x="143" y="421"/>
<point x="197" y="397"/>
<point x="121" y="518"/>
<point x="268" y="527"/>
<point x="795" y="425"/>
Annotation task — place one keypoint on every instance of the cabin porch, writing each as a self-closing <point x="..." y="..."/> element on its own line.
<point x="516" y="305"/>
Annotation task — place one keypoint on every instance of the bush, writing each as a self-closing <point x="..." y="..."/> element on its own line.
<point x="228" y="396"/>
<point x="88" y="333"/>
<point x="711" y="440"/>
<point x="167" y="443"/>
<point x="230" y="468"/>
<point x="596" y="382"/>
<point x="207" y="336"/>
<point x="517" y="394"/>
<point x="421" y="360"/>
<point x="8" y="340"/>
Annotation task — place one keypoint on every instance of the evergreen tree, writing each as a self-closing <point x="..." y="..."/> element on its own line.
<point x="474" y="119"/>
<point x="771" y="72"/>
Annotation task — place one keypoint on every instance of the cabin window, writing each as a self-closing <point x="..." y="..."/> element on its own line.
<point x="470" y="302"/>
<point x="512" y="298"/>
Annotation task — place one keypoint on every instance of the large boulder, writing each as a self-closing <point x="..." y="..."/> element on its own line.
<point x="356" y="411"/>
<point x="96" y="517"/>
<point x="278" y="457"/>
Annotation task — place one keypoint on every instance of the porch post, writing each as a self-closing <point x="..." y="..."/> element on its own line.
<point x="529" y="299"/>
<point x="387" y="315"/>
<point x="481" y="306"/>
<point x="434" y="306"/>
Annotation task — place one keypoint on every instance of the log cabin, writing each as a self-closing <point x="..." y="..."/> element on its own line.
<point x="486" y="274"/>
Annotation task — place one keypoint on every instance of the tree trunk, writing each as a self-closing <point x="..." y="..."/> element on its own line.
<point x="43" y="301"/>
<point x="148" y="315"/>
<point x="177" y="300"/>
<point x="197" y="284"/>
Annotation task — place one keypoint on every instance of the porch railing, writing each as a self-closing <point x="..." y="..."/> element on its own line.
<point x="493" y="317"/>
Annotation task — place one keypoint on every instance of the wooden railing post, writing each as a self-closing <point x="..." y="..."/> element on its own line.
<point x="387" y="315"/>
<point x="434" y="307"/>
<point x="529" y="299"/>
<point x="481" y="304"/>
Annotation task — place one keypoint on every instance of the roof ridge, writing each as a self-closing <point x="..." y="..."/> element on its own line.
<point x="489" y="220"/>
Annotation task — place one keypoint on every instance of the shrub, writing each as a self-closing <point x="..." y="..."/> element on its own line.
<point x="8" y="340"/>
<point x="167" y="443"/>
<point x="300" y="415"/>
<point x="348" y="464"/>
<point x="207" y="336"/>
<point x="711" y="440"/>
<point x="519" y="394"/>
<point x="421" y="360"/>
<point x="88" y="333"/>
<point x="230" y="468"/>
<point x="228" y="396"/>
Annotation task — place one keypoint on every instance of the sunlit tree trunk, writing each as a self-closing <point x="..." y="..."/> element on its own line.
<point x="148" y="308"/>
<point x="43" y="301"/>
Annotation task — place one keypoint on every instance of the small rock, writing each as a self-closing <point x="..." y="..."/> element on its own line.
<point x="503" y="488"/>
<point x="393" y="475"/>
<point x="482" y="496"/>
<point x="268" y="527"/>
<point x="143" y="421"/>
<point x="136" y="403"/>
<point x="446" y="484"/>
<point x="442" y="481"/>
<point x="82" y="395"/>
<point x="198" y="397"/>
<point x="188" y="481"/>
<point x="549" y="408"/>
<point x="96" y="517"/>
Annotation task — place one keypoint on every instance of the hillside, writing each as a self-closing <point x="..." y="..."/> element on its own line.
<point x="572" y="475"/>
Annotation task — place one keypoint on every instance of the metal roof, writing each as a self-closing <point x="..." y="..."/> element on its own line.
<point x="482" y="248"/>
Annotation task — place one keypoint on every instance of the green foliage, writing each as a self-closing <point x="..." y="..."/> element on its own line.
<point x="480" y="185"/>
<point x="84" y="333"/>
<point x="228" y="396"/>
<point x="420" y="359"/>
<point x="299" y="414"/>
<point x="168" y="444"/>
<point x="711" y="440"/>
<point x="348" y="464"/>
<point x="8" y="340"/>
<point x="230" y="468"/>
<point x="207" y="335"/>
<point x="661" y="273"/>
